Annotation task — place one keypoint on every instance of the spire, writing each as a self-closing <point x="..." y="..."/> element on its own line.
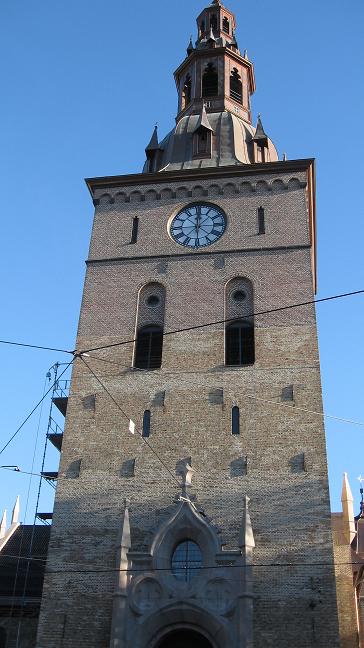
<point x="3" y="526"/>
<point x="190" y="47"/>
<point x="260" y="136"/>
<point x="203" y="121"/>
<point x="125" y="541"/>
<point x="235" y="42"/>
<point x="120" y="604"/>
<point x="211" y="37"/>
<point x="246" y="535"/>
<point x="153" y="144"/>
<point x="15" y="514"/>
<point x="346" y="494"/>
<point x="347" y="501"/>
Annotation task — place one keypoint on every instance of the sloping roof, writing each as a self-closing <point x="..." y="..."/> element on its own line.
<point x="260" y="135"/>
<point x="203" y="121"/>
<point x="19" y="545"/>
<point x="153" y="144"/>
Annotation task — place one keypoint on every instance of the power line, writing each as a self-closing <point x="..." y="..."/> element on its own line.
<point x="128" y="418"/>
<point x="34" y="408"/>
<point x="189" y="328"/>
<point x="233" y="319"/>
<point x="302" y="409"/>
<point x="35" y="346"/>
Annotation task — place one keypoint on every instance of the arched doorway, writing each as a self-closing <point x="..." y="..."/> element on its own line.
<point x="183" y="638"/>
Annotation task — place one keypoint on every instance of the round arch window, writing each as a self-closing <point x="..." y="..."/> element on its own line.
<point x="186" y="560"/>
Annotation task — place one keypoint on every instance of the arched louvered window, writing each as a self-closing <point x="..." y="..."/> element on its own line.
<point x="226" y="26"/>
<point x="236" y="86"/>
<point x="149" y="326"/>
<point x="146" y="424"/>
<point x="186" y="93"/>
<point x="239" y="313"/>
<point x="235" y="420"/>
<point x="240" y="343"/>
<point x="210" y="81"/>
<point x="149" y="345"/>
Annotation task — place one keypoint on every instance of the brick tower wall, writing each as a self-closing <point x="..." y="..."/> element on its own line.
<point x="279" y="458"/>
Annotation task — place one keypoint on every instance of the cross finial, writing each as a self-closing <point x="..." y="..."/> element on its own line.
<point x="361" y="480"/>
<point x="187" y="473"/>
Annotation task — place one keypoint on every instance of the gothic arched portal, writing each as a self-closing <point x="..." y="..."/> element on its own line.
<point x="183" y="638"/>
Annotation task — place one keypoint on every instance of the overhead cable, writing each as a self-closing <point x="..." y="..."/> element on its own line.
<point x="128" y="418"/>
<point x="34" y="408"/>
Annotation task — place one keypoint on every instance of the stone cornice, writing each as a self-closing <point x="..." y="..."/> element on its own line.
<point x="207" y="173"/>
<point x="200" y="253"/>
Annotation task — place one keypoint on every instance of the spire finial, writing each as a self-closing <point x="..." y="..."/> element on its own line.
<point x="246" y="536"/>
<point x="153" y="144"/>
<point x="190" y="47"/>
<point x="203" y="120"/>
<point x="211" y="35"/>
<point x="16" y="510"/>
<point x="260" y="135"/>
<point x="187" y="473"/>
<point x="125" y="541"/>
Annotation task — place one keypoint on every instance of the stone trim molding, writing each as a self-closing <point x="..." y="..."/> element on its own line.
<point x="246" y="187"/>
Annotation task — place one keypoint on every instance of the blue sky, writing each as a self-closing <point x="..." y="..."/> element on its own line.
<point x="82" y="86"/>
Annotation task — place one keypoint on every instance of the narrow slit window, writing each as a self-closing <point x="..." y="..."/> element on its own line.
<point x="261" y="220"/>
<point x="202" y="27"/>
<point x="134" y="231"/>
<point x="235" y="420"/>
<point x="240" y="343"/>
<point x="213" y="22"/>
<point x="146" y="424"/>
<point x="149" y="345"/>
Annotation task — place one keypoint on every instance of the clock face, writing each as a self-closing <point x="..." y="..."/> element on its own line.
<point x="198" y="225"/>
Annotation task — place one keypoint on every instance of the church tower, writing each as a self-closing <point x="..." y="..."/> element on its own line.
<point x="192" y="506"/>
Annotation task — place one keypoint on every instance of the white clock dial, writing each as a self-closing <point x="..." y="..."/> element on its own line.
<point x="198" y="225"/>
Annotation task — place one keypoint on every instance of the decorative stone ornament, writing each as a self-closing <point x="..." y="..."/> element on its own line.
<point x="151" y="600"/>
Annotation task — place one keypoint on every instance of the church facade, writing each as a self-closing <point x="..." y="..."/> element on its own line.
<point x="192" y="506"/>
